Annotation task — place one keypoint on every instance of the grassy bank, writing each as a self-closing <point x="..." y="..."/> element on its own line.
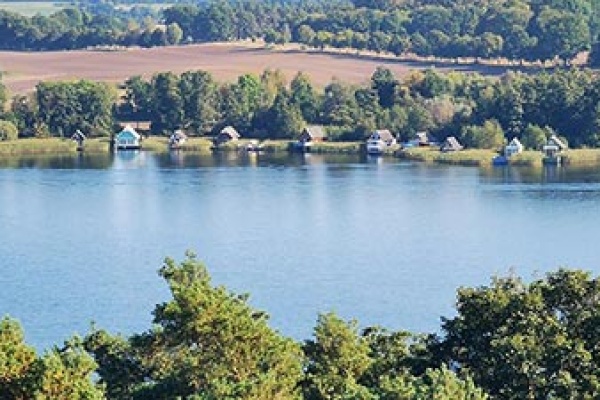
<point x="50" y="146"/>
<point x="337" y="147"/>
<point x="582" y="156"/>
<point x="472" y="157"/>
<point x="37" y="146"/>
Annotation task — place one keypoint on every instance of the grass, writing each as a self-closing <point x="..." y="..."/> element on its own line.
<point x="160" y="144"/>
<point x="582" y="156"/>
<point x="527" y="158"/>
<point x="337" y="147"/>
<point x="37" y="146"/>
<point x="471" y="157"/>
<point x="275" y="146"/>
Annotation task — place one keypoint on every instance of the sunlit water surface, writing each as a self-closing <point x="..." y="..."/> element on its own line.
<point x="380" y="240"/>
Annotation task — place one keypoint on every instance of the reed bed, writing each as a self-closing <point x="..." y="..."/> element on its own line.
<point x="38" y="146"/>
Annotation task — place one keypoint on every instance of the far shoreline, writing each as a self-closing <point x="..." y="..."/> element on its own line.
<point x="429" y="155"/>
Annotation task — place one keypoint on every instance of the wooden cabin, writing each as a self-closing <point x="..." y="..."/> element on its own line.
<point x="227" y="134"/>
<point x="177" y="139"/>
<point x="128" y="139"/>
<point x="311" y="134"/>
<point x="451" y="144"/>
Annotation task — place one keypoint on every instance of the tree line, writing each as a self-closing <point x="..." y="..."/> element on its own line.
<point x="482" y="112"/>
<point x="508" y="340"/>
<point x="516" y="29"/>
<point x="92" y="25"/>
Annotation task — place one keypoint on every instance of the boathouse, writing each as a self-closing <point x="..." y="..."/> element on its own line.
<point x="227" y="134"/>
<point x="177" y="139"/>
<point x="514" y="147"/>
<point x="451" y="144"/>
<point x="127" y="139"/>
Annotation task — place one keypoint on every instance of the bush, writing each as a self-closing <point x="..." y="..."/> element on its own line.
<point x="8" y="131"/>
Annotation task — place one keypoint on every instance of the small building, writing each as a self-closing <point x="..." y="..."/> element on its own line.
<point x="423" y="139"/>
<point x="127" y="139"/>
<point x="512" y="148"/>
<point x="379" y="140"/>
<point x="227" y="134"/>
<point x="79" y="138"/>
<point x="451" y="144"/>
<point x="177" y="139"/>
<point x="384" y="136"/>
<point x="311" y="134"/>
<point x="552" y="149"/>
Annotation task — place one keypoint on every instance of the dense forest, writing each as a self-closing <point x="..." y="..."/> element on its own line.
<point x="514" y="29"/>
<point x="508" y="340"/>
<point x="482" y="112"/>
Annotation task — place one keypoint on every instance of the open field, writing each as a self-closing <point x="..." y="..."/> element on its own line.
<point x="226" y="61"/>
<point x="30" y="8"/>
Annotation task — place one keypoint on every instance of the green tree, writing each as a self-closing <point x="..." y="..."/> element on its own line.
<point x="208" y="343"/>
<point x="336" y="359"/>
<point x="199" y="94"/>
<point x="66" y="373"/>
<point x="303" y="95"/>
<point x="174" y="33"/>
<point x="17" y="362"/>
<point x="67" y="106"/>
<point x="534" y="137"/>
<point x="540" y="337"/>
<point x="8" y="130"/>
<point x="167" y="104"/>
<point x="488" y="136"/>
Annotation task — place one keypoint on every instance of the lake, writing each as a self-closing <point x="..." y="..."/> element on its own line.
<point x="384" y="241"/>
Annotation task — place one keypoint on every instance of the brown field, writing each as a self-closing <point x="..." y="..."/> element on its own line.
<point x="23" y="70"/>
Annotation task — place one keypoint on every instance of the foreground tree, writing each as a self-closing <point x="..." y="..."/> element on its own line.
<point x="208" y="343"/>
<point x="529" y="341"/>
<point x="59" y="374"/>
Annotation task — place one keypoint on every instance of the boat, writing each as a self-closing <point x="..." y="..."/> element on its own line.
<point x="253" y="146"/>
<point x="500" y="160"/>
<point x="375" y="146"/>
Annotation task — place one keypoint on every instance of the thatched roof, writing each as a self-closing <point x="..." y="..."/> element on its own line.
<point x="383" y="134"/>
<point x="78" y="135"/>
<point x="451" y="144"/>
<point x="315" y="132"/>
<point x="230" y="131"/>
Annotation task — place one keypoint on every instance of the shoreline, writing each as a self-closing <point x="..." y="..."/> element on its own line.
<point x="467" y="157"/>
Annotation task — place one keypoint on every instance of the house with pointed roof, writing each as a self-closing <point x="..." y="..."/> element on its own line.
<point x="512" y="148"/>
<point x="379" y="140"/>
<point x="227" y="134"/>
<point x="552" y="149"/>
<point x="451" y="144"/>
<point x="128" y="139"/>
<point x="177" y="139"/>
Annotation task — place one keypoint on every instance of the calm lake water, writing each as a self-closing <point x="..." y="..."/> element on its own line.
<point x="380" y="240"/>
